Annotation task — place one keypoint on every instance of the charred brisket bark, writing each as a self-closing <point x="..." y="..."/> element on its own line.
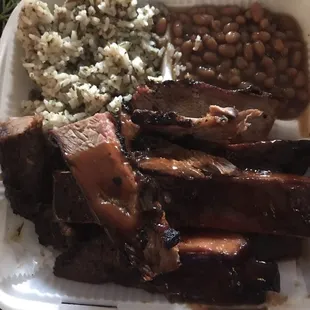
<point x="276" y="155"/>
<point x="192" y="100"/>
<point x="214" y="269"/>
<point x="251" y="202"/>
<point x="94" y="154"/>
<point x="23" y="163"/>
<point x="219" y="124"/>
<point x="69" y="203"/>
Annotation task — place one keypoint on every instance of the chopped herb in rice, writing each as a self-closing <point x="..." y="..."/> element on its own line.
<point x="87" y="56"/>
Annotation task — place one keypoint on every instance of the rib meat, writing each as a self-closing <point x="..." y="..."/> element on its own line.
<point x="94" y="154"/>
<point x="192" y="100"/>
<point x="75" y="210"/>
<point x="249" y="202"/>
<point x="214" y="269"/>
<point x="23" y="163"/>
<point x="158" y="155"/>
<point x="97" y="261"/>
<point x="52" y="232"/>
<point x="212" y="281"/>
<point x="276" y="155"/>
<point x="275" y="248"/>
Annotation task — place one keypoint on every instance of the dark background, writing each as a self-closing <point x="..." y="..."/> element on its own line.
<point x="6" y="7"/>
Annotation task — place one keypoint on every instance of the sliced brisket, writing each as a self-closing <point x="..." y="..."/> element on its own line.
<point x="220" y="125"/>
<point x="191" y="101"/>
<point x="97" y="261"/>
<point x="52" y="232"/>
<point x="111" y="187"/>
<point x="275" y="248"/>
<point x="69" y="203"/>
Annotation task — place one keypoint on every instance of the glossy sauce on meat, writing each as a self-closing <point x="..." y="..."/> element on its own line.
<point x="211" y="243"/>
<point x="109" y="184"/>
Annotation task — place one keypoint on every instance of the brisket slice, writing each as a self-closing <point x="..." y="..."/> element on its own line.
<point x="215" y="269"/>
<point x="250" y="202"/>
<point x="193" y="100"/>
<point x="69" y="203"/>
<point x="24" y="165"/>
<point x="205" y="280"/>
<point x="221" y="125"/>
<point x="52" y="232"/>
<point x="95" y="157"/>
<point x="283" y="156"/>
<point x="97" y="261"/>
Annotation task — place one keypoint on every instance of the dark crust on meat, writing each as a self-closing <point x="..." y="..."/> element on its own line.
<point x="157" y="118"/>
<point x="23" y="162"/>
<point x="192" y="100"/>
<point x="281" y="156"/>
<point x="97" y="261"/>
<point x="69" y="203"/>
<point x="254" y="203"/>
<point x="206" y="279"/>
<point x="238" y="281"/>
<point x="250" y="90"/>
<point x="121" y="200"/>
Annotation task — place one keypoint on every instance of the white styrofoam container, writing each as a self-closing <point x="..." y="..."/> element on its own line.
<point x="42" y="290"/>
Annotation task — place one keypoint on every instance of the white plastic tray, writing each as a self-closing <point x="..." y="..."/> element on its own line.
<point x="43" y="290"/>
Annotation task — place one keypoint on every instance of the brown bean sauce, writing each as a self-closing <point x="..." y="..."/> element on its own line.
<point x="263" y="48"/>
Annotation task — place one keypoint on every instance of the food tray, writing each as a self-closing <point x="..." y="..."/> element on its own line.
<point x="37" y="288"/>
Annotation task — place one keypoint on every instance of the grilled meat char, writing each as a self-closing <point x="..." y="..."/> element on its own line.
<point x="181" y="107"/>
<point x="215" y="269"/>
<point x="291" y="157"/>
<point x="275" y="248"/>
<point x="55" y="233"/>
<point x="250" y="202"/>
<point x="219" y="124"/>
<point x="97" y="261"/>
<point x="263" y="247"/>
<point x="24" y="165"/>
<point x="260" y="202"/>
<point x="285" y="156"/>
<point x="94" y="154"/>
<point x="69" y="203"/>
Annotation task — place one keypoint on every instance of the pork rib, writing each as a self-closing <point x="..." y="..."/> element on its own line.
<point x="251" y="202"/>
<point x="283" y="156"/>
<point x="23" y="163"/>
<point x="215" y="269"/>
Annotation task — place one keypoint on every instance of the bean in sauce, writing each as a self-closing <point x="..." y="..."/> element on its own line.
<point x="240" y="47"/>
<point x="161" y="26"/>
<point x="206" y="73"/>
<point x="232" y="37"/>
